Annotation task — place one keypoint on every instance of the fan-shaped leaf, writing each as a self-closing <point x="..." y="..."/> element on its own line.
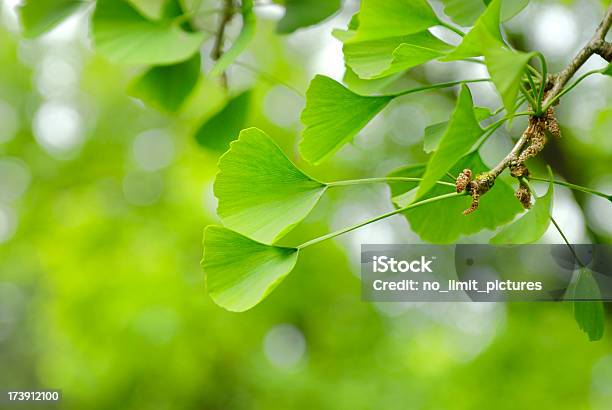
<point x="167" y="87"/>
<point x="393" y="18"/>
<point x="240" y="272"/>
<point x="304" y="13"/>
<point x="462" y="132"/>
<point x="434" y="132"/>
<point x="589" y="312"/>
<point x="465" y="12"/>
<point x="478" y="39"/>
<point x="261" y="193"/>
<point x="443" y="221"/>
<point x="123" y="35"/>
<point x="40" y="16"/>
<point x="531" y="226"/>
<point x="506" y="68"/>
<point x="383" y="57"/>
<point x="333" y="116"/>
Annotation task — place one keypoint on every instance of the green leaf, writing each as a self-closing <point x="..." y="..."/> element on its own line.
<point x="531" y="226"/>
<point x="218" y="131"/>
<point x="122" y="35"/>
<point x="333" y="116"/>
<point x="506" y="68"/>
<point x="443" y="221"/>
<point x="151" y="9"/>
<point x="465" y="12"/>
<point x="434" y="132"/>
<point x="589" y="313"/>
<point x="410" y="171"/>
<point x="261" y="193"/>
<point x="510" y="8"/>
<point x="600" y="131"/>
<point x="39" y="16"/>
<point x="242" y="41"/>
<point x="241" y="272"/>
<point x="304" y="13"/>
<point x="608" y="70"/>
<point x="167" y="87"/>
<point x="383" y="57"/>
<point x="485" y="31"/>
<point x="462" y="132"/>
<point x="393" y="18"/>
<point x="365" y="87"/>
<point x="433" y="135"/>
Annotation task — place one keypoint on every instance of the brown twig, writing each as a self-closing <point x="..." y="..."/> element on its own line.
<point x="217" y="50"/>
<point x="533" y="138"/>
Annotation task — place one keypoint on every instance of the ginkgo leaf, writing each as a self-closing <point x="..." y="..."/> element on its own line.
<point x="152" y="9"/>
<point x="462" y="132"/>
<point x="240" y="272"/>
<point x="40" y="16"/>
<point x="588" y="311"/>
<point x="333" y="116"/>
<point x="531" y="226"/>
<point x="383" y="57"/>
<point x="443" y="221"/>
<point x="465" y="12"/>
<point x="393" y="18"/>
<point x="434" y="132"/>
<point x="167" y="87"/>
<point x="304" y="13"/>
<point x="123" y="35"/>
<point x="506" y="68"/>
<point x="242" y="41"/>
<point x="432" y="136"/>
<point x="479" y="37"/>
<point x="261" y="193"/>
<point x="218" y="131"/>
<point x="366" y="87"/>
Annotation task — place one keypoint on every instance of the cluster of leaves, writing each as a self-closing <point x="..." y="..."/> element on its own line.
<point x="262" y="194"/>
<point x="165" y="37"/>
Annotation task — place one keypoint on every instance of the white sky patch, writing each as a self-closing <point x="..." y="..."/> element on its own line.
<point x="568" y="215"/>
<point x="556" y="31"/>
<point x="284" y="346"/>
<point x="397" y="118"/>
<point x="8" y="14"/>
<point x="56" y="77"/>
<point x="599" y="210"/>
<point x="209" y="200"/>
<point x="58" y="128"/>
<point x="153" y="150"/>
<point x="282" y="107"/>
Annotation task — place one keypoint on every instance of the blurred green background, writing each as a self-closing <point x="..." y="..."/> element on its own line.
<point x="103" y="202"/>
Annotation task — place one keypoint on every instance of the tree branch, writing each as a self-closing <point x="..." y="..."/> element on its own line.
<point x="533" y="138"/>
<point x="217" y="50"/>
